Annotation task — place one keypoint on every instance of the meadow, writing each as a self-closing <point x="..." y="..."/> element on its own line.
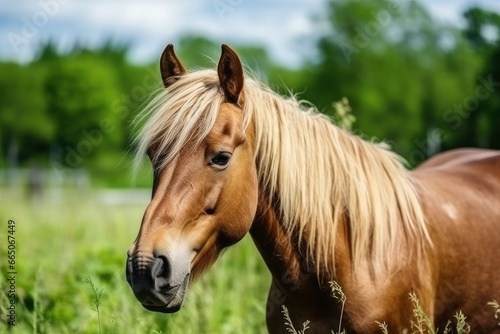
<point x="71" y="248"/>
<point x="70" y="274"/>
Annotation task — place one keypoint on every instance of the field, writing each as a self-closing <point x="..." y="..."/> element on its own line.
<point x="71" y="248"/>
<point x="68" y="239"/>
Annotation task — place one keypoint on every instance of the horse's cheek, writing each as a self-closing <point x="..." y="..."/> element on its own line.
<point x="240" y="215"/>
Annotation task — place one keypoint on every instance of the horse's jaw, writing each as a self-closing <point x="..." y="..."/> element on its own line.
<point x="171" y="299"/>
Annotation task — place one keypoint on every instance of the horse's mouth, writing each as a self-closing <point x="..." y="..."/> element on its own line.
<point x="168" y="300"/>
<point x="163" y="309"/>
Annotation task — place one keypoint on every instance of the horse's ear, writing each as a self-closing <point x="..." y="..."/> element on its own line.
<point x="230" y="74"/>
<point x="170" y="66"/>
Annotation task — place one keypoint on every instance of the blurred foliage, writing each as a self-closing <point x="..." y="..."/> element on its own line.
<point x="404" y="75"/>
<point x="76" y="236"/>
<point x="419" y="84"/>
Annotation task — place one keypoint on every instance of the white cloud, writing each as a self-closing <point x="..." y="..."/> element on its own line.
<point x="450" y="11"/>
<point x="285" y="27"/>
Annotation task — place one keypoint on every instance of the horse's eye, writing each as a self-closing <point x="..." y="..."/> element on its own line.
<point x="220" y="160"/>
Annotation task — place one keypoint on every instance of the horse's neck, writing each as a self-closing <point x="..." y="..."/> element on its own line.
<point x="296" y="284"/>
<point x="290" y="269"/>
<point x="278" y="250"/>
<point x="308" y="295"/>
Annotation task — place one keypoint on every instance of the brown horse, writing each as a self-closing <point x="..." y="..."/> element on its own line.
<point x="231" y="157"/>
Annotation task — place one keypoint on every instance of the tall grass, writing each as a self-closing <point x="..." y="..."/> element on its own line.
<point x="496" y="308"/>
<point x="340" y="296"/>
<point x="419" y="324"/>
<point x="97" y="298"/>
<point x="289" y="327"/>
<point x="68" y="235"/>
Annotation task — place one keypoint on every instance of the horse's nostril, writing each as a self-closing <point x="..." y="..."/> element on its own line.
<point x="161" y="268"/>
<point x="209" y="211"/>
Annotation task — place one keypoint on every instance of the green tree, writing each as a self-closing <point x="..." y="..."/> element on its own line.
<point x="80" y="91"/>
<point x="483" y="33"/>
<point x="401" y="71"/>
<point x="24" y="121"/>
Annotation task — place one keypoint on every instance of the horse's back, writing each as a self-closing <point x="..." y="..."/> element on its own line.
<point x="463" y="156"/>
<point x="468" y="172"/>
<point x="460" y="192"/>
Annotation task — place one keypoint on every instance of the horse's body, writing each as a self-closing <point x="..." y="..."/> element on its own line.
<point x="459" y="273"/>
<point x="461" y="199"/>
<point x="321" y="205"/>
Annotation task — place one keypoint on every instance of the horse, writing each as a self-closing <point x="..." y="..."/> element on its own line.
<point x="230" y="157"/>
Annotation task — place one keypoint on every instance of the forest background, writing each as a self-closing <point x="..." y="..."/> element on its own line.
<point x="421" y="85"/>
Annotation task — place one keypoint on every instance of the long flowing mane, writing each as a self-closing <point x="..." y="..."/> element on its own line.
<point x="320" y="177"/>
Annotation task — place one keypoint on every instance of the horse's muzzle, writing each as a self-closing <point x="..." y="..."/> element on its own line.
<point x="154" y="283"/>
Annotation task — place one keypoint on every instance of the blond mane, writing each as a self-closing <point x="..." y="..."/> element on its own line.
<point x="322" y="176"/>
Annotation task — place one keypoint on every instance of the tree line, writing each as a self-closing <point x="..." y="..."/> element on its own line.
<point x="421" y="85"/>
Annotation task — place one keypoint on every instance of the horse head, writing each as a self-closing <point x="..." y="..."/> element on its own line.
<point x="204" y="197"/>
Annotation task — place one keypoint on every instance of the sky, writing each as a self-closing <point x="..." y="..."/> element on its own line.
<point x="284" y="27"/>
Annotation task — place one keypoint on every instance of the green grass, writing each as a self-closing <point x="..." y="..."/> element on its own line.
<point x="420" y="324"/>
<point x="70" y="265"/>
